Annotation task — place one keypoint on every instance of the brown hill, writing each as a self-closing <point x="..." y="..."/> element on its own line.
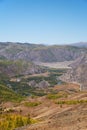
<point x="51" y="116"/>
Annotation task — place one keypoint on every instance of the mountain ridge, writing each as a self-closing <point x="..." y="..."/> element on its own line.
<point x="40" y="53"/>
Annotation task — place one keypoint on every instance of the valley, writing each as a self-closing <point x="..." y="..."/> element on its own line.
<point x="43" y="87"/>
<point x="43" y="64"/>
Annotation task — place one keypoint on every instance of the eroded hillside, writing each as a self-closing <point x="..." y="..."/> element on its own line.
<point x="39" y="53"/>
<point x="78" y="73"/>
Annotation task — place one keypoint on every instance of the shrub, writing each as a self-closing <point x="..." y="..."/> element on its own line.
<point x="10" y="122"/>
<point x="72" y="102"/>
<point x="55" y="96"/>
<point x="32" y="104"/>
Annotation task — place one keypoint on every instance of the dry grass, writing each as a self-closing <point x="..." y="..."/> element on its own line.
<point x="71" y="115"/>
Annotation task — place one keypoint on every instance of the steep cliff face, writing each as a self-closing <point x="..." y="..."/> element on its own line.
<point x="78" y="73"/>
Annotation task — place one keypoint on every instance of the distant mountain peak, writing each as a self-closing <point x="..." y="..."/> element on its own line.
<point x="80" y="44"/>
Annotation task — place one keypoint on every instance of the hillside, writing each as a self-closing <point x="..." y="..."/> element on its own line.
<point x="78" y="73"/>
<point x="9" y="68"/>
<point x="63" y="110"/>
<point x="39" y="53"/>
<point x="7" y="94"/>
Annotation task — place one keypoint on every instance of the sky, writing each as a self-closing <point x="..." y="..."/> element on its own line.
<point x="43" y="21"/>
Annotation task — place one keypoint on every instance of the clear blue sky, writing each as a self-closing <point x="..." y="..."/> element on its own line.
<point x="43" y="21"/>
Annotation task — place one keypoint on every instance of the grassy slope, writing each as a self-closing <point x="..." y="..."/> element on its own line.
<point x="7" y="94"/>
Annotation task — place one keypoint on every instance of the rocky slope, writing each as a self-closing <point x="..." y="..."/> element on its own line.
<point x="39" y="53"/>
<point x="10" y="68"/>
<point x="78" y="73"/>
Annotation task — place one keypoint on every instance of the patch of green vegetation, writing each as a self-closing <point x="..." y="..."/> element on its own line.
<point x="22" y="87"/>
<point x="10" y="121"/>
<point x="32" y="104"/>
<point x="5" y="63"/>
<point x="56" y="96"/>
<point x="52" y="77"/>
<point x="57" y="71"/>
<point x="38" y="93"/>
<point x="7" y="94"/>
<point x="72" y="102"/>
<point x="2" y="58"/>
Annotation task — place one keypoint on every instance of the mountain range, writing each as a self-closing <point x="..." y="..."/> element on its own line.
<point x="20" y="59"/>
<point x="40" y="53"/>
